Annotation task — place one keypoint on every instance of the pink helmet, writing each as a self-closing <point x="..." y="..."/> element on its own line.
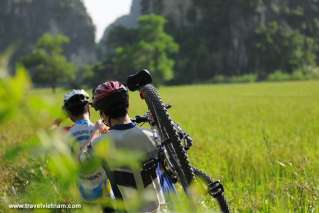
<point x="106" y="89"/>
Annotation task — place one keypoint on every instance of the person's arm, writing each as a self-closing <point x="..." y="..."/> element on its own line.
<point x="101" y="127"/>
<point x="56" y="123"/>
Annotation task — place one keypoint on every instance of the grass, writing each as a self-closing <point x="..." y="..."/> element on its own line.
<point x="261" y="140"/>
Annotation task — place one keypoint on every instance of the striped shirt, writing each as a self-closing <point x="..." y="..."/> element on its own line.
<point x="82" y="130"/>
<point x="92" y="186"/>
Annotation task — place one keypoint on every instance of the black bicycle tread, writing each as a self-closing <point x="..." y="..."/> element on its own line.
<point x="169" y="121"/>
<point x="153" y="97"/>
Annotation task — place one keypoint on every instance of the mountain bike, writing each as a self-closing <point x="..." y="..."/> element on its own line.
<point x="171" y="139"/>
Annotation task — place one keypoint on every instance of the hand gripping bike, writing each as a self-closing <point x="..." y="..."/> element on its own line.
<point x="172" y="140"/>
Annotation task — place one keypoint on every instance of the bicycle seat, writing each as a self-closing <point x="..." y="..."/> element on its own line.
<point x="138" y="80"/>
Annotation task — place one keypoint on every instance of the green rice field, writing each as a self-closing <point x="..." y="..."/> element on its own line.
<point x="261" y="140"/>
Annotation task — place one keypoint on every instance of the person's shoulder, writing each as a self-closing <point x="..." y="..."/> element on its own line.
<point x="87" y="126"/>
<point x="149" y="133"/>
<point x="72" y="128"/>
<point x="135" y="129"/>
<point x="146" y="131"/>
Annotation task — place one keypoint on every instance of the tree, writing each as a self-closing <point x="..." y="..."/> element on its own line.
<point x="219" y="37"/>
<point x="47" y="64"/>
<point x="283" y="48"/>
<point x="153" y="49"/>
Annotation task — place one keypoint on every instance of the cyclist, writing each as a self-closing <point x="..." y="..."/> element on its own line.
<point x="92" y="184"/>
<point x="112" y="101"/>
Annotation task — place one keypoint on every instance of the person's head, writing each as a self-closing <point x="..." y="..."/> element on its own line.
<point x="111" y="100"/>
<point x="76" y="104"/>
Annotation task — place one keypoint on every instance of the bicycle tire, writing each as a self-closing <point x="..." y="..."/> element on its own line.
<point x="185" y="172"/>
<point x="176" y="153"/>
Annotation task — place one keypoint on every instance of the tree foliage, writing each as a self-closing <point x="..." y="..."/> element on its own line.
<point x="232" y="38"/>
<point x="284" y="48"/>
<point x="147" y="46"/>
<point x="47" y="64"/>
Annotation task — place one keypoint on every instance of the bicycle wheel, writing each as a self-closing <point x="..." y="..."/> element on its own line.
<point x="169" y="135"/>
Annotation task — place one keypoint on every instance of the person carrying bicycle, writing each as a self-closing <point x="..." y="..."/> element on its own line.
<point x="111" y="100"/>
<point x="92" y="184"/>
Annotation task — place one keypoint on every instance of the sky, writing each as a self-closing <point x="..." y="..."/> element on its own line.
<point x="104" y="12"/>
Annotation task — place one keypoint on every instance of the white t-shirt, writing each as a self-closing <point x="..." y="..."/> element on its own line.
<point x="133" y="138"/>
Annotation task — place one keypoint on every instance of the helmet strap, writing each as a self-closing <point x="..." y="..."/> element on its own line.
<point x="110" y="122"/>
